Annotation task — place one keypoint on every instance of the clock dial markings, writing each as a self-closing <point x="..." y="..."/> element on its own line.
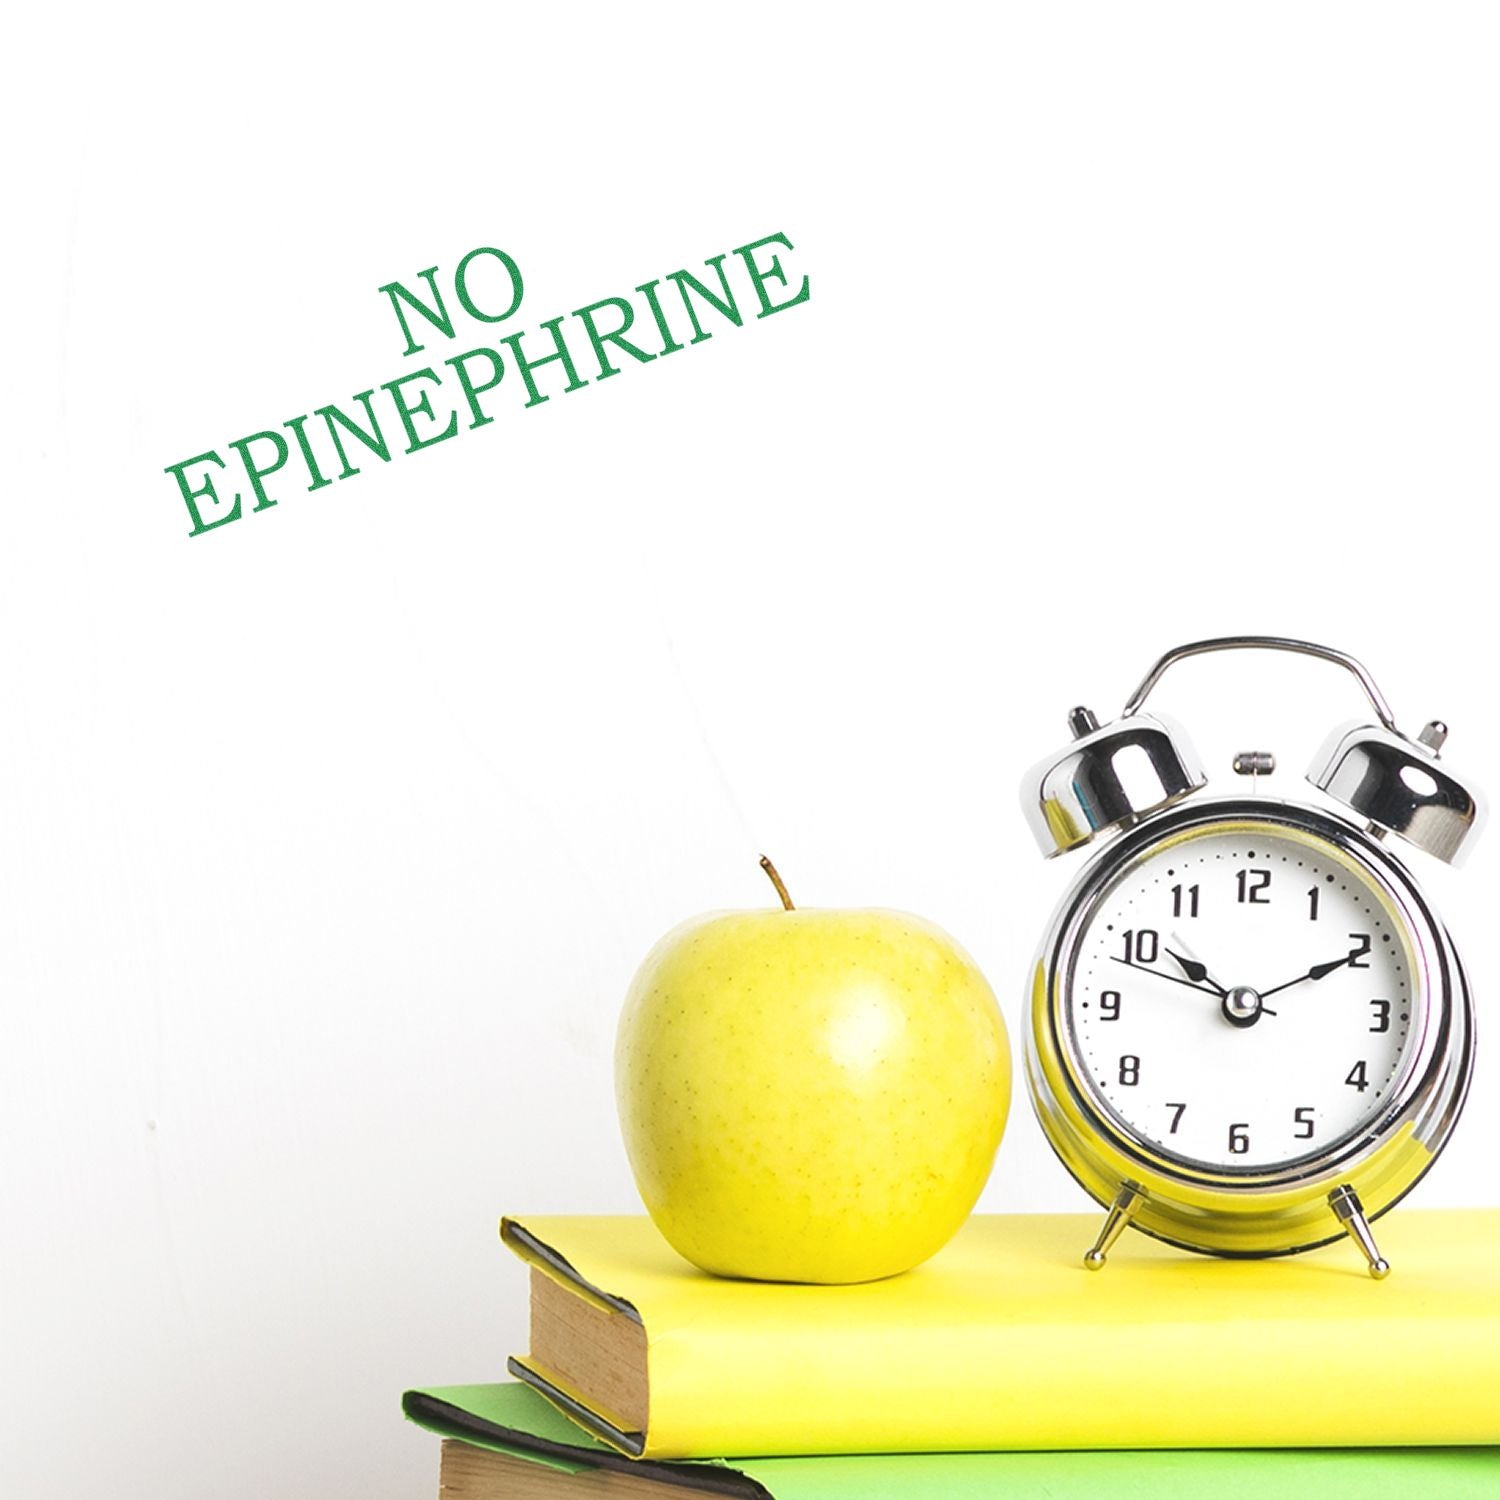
<point x="1242" y="1095"/>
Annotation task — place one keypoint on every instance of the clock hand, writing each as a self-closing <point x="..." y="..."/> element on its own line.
<point x="1197" y="972"/>
<point x="1236" y="1017"/>
<point x="1318" y="971"/>
<point x="1162" y="974"/>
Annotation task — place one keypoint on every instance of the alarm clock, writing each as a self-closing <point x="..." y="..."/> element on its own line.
<point x="1250" y="1033"/>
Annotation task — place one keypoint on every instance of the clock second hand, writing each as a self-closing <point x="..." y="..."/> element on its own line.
<point x="1162" y="974"/>
<point x="1219" y="994"/>
<point x="1233" y="1007"/>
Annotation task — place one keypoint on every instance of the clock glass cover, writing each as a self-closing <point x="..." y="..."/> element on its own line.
<point x="1243" y="995"/>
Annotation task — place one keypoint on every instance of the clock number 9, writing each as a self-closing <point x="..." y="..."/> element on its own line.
<point x="1109" y="1005"/>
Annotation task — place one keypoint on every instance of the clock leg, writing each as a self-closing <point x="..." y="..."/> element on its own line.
<point x="1344" y="1201"/>
<point x="1119" y="1215"/>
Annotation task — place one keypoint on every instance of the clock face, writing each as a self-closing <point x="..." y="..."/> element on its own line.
<point x="1243" y="995"/>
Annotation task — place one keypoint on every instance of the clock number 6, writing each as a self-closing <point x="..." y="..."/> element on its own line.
<point x="1239" y="1138"/>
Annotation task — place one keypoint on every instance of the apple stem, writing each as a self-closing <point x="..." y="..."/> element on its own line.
<point x="770" y="870"/>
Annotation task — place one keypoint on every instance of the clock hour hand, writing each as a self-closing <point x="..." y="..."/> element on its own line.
<point x="1318" y="971"/>
<point x="1197" y="972"/>
<point x="1162" y="974"/>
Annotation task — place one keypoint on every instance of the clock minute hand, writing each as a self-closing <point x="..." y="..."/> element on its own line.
<point x="1318" y="971"/>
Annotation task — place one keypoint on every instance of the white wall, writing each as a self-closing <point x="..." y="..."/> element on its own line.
<point x="329" y="840"/>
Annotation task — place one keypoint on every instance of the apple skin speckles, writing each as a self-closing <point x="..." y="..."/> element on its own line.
<point x="810" y="1095"/>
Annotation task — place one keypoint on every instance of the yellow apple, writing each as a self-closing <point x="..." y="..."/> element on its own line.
<point x="810" y="1095"/>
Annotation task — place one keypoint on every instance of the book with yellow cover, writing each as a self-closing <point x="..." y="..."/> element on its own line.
<point x="1004" y="1341"/>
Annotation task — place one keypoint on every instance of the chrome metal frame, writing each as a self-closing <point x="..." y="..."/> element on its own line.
<point x="1252" y="1211"/>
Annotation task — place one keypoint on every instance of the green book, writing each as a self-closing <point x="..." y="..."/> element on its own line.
<point x="505" y="1442"/>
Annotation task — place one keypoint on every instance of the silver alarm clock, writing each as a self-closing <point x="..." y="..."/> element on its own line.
<point x="1249" y="1031"/>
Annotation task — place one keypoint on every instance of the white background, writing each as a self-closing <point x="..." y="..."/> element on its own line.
<point x="329" y="840"/>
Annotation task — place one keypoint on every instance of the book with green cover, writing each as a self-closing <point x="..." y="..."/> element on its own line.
<point x="505" y="1442"/>
<point x="1003" y="1340"/>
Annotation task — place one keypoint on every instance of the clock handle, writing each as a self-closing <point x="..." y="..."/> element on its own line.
<point x="1264" y="643"/>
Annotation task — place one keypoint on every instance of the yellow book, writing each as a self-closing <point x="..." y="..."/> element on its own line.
<point x="1004" y="1341"/>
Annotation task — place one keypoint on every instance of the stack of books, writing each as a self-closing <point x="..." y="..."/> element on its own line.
<point x="1000" y="1367"/>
